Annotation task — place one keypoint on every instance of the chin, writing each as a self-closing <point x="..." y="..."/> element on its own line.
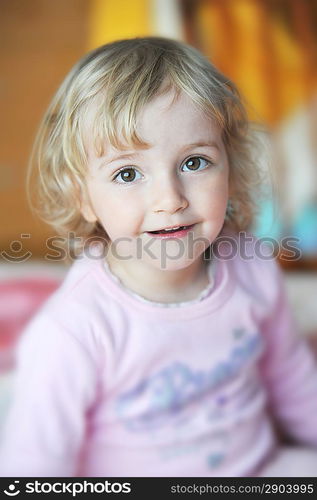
<point x="174" y="265"/>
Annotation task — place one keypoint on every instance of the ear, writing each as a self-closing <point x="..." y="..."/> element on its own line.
<point x="87" y="211"/>
<point x="85" y="207"/>
<point x="83" y="202"/>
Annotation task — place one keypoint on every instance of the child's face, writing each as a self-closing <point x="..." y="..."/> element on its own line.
<point x="180" y="180"/>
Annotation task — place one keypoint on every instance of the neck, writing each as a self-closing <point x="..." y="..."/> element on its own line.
<point x="161" y="285"/>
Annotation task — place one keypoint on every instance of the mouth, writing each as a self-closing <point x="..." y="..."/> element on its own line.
<point x="176" y="231"/>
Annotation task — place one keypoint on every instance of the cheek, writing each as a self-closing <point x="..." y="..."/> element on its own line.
<point x="120" y="216"/>
<point x="213" y="196"/>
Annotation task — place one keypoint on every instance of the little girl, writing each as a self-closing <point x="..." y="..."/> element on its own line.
<point x="169" y="350"/>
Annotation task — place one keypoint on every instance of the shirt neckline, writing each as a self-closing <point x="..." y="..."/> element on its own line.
<point x="204" y="293"/>
<point x="222" y="289"/>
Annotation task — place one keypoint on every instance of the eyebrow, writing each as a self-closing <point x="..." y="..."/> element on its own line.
<point x="126" y="156"/>
<point x="132" y="155"/>
<point x="202" y="144"/>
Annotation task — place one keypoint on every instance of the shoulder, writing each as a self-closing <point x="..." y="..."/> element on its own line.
<point x="252" y="264"/>
<point x="73" y="313"/>
<point x="84" y="286"/>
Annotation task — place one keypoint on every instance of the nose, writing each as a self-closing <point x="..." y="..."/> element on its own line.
<point x="168" y="196"/>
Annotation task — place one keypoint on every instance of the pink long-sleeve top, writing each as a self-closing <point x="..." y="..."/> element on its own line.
<point x="108" y="384"/>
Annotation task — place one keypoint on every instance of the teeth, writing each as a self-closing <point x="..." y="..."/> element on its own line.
<point x="172" y="228"/>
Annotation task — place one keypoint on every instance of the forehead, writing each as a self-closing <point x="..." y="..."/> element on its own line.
<point x="177" y="116"/>
<point x="170" y="116"/>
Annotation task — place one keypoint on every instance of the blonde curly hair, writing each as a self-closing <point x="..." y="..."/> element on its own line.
<point x="121" y="77"/>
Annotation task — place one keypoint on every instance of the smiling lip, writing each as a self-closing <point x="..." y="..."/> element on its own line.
<point x="175" y="234"/>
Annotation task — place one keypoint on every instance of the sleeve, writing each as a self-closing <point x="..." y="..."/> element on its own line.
<point x="290" y="370"/>
<point x="54" y="386"/>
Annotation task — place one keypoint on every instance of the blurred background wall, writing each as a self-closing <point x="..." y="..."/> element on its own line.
<point x="39" y="41"/>
<point x="268" y="47"/>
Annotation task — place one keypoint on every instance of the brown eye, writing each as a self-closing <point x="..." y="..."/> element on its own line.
<point x="126" y="175"/>
<point x="195" y="163"/>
